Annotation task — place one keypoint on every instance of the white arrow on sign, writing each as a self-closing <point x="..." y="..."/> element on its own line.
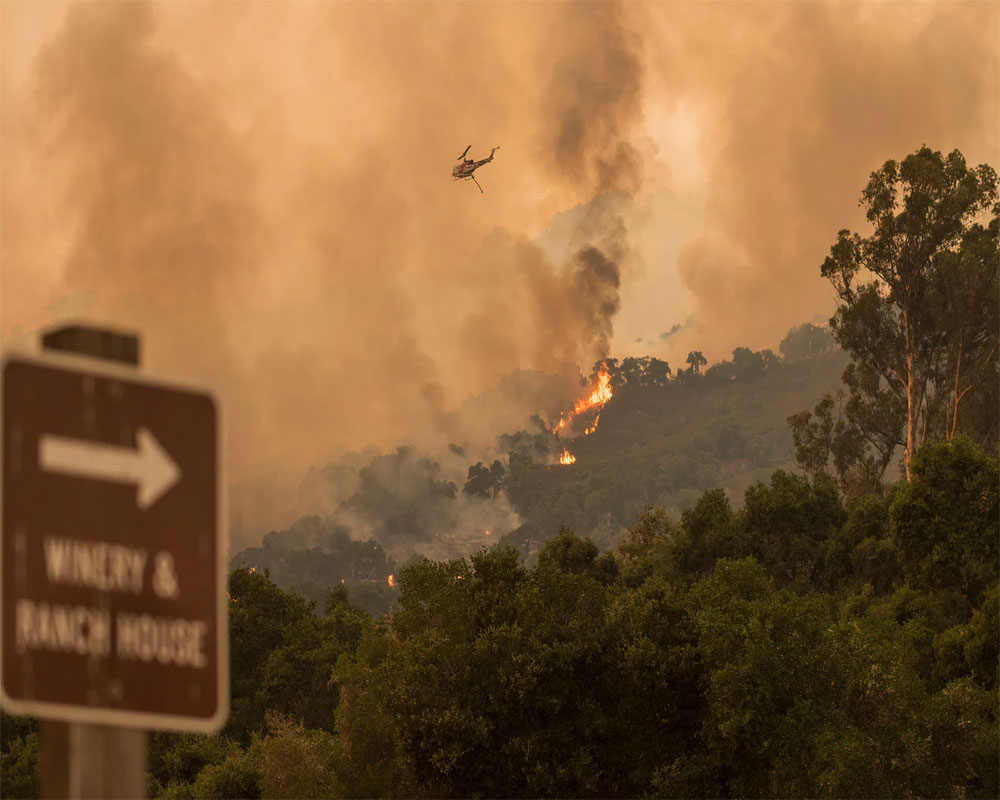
<point x="150" y="467"/>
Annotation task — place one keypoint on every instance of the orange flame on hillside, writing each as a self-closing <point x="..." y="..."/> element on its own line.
<point x="598" y="396"/>
<point x="392" y="580"/>
<point x="566" y="457"/>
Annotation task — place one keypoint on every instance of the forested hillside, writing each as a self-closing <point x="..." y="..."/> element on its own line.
<point x="661" y="439"/>
<point x="666" y="444"/>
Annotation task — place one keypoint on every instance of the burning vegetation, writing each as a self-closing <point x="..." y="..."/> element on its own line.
<point x="566" y="457"/>
<point x="593" y="402"/>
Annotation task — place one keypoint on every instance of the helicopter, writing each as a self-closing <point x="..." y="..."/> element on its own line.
<point x="464" y="167"/>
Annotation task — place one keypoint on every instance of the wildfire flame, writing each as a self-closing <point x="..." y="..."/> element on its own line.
<point x="566" y="457"/>
<point x="598" y="396"/>
<point x="392" y="580"/>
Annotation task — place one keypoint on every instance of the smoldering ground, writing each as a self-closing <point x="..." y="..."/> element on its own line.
<point x="262" y="190"/>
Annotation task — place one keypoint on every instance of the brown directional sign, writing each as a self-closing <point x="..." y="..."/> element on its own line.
<point x="112" y="561"/>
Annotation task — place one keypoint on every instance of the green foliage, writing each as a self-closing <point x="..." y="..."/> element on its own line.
<point x="793" y="647"/>
<point x="788" y="523"/>
<point x="921" y="741"/>
<point x="238" y="775"/>
<point x="710" y="531"/>
<point x="282" y="653"/>
<point x="770" y="685"/>
<point x="175" y="760"/>
<point x="19" y="775"/>
<point x="505" y="682"/>
<point x="861" y="552"/>
<point x="295" y="761"/>
<point x="945" y="521"/>
<point x="633" y="372"/>
<point x="851" y="435"/>
<point x="645" y="549"/>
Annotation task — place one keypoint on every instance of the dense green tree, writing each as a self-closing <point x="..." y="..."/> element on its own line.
<point x="19" y="775"/>
<point x="282" y="653"/>
<point x="915" y="742"/>
<point x="709" y="532"/>
<point x="770" y="689"/>
<point x="860" y="551"/>
<point x="567" y="552"/>
<point x="315" y="554"/>
<point x="646" y="547"/>
<point x="13" y="728"/>
<point x="175" y="760"/>
<point x="238" y="775"/>
<point x="696" y="672"/>
<point x="945" y="521"/>
<point x="787" y="525"/>
<point x="749" y="364"/>
<point x="296" y="762"/>
<point x="485" y="481"/>
<point x="654" y="704"/>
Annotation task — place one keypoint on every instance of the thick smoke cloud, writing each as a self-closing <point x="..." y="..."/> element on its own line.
<point x="287" y="235"/>
<point x="262" y="190"/>
<point x="593" y="101"/>
<point x="802" y="111"/>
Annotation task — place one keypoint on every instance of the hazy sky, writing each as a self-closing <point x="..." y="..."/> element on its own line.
<point x="263" y="189"/>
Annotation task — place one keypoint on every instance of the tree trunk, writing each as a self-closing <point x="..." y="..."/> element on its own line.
<point x="954" y="414"/>
<point x="911" y="408"/>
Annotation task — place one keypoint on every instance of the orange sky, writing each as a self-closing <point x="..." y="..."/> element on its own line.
<point x="262" y="189"/>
